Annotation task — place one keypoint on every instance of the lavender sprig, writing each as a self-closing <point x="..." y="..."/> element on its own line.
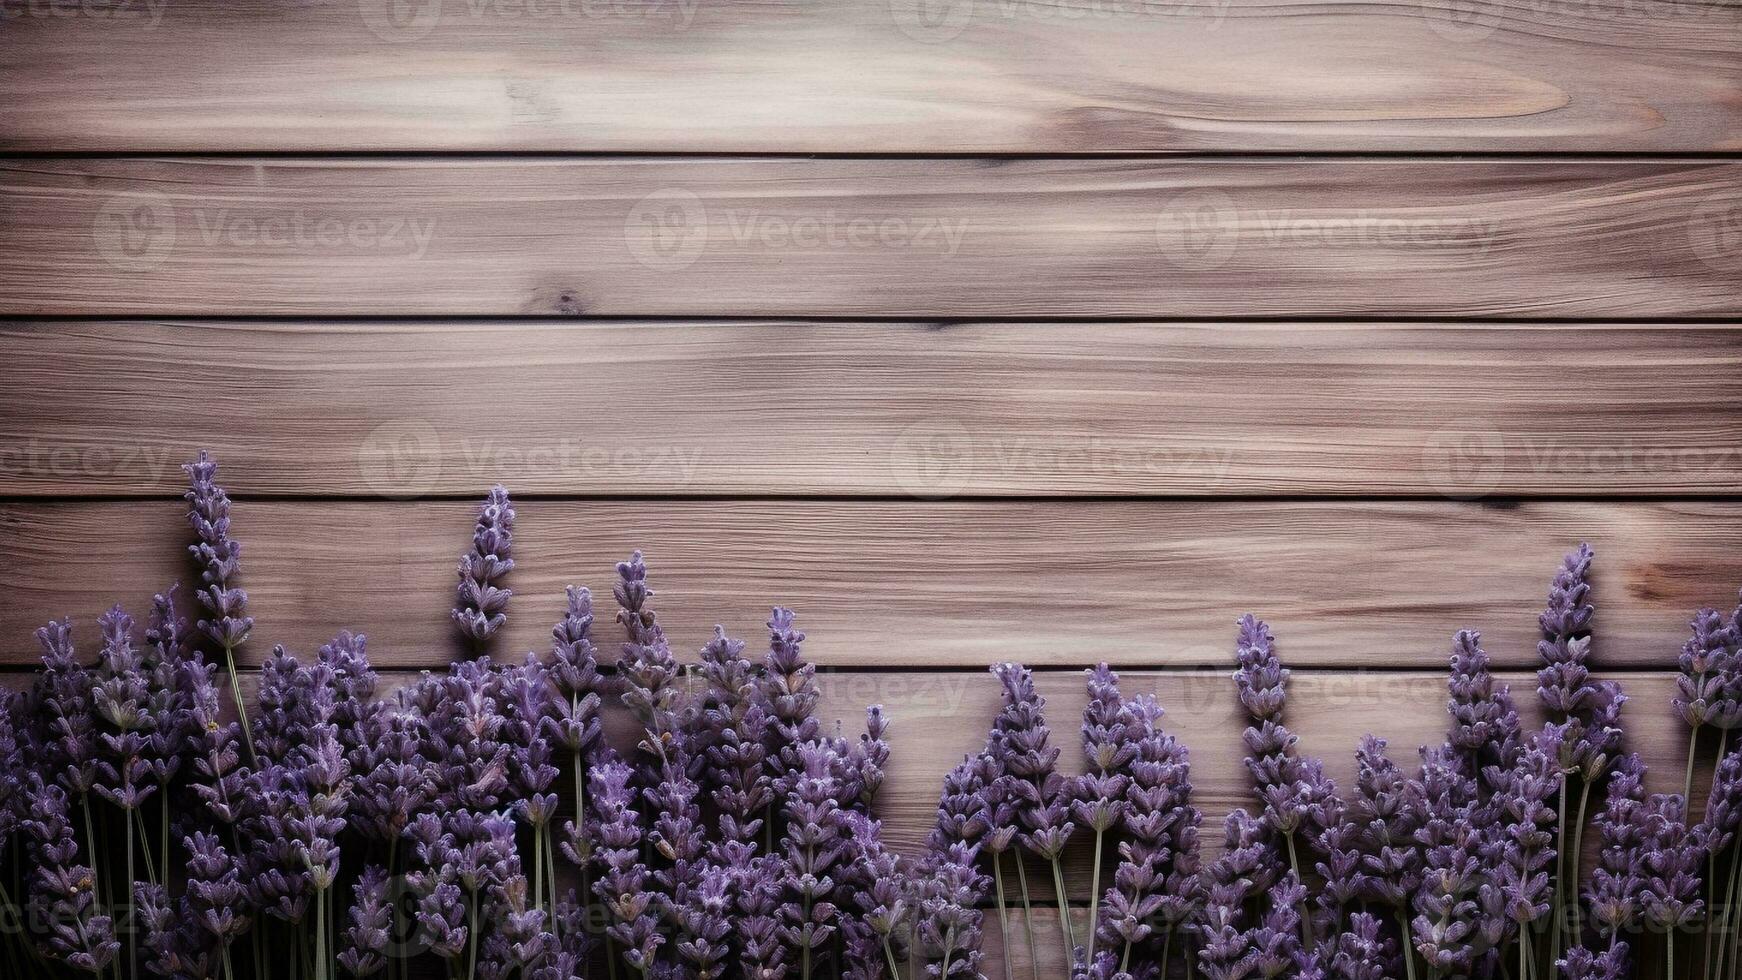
<point x="1021" y="742"/>
<point x="219" y="556"/>
<point x="480" y="603"/>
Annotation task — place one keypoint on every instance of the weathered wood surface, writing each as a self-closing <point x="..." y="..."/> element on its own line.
<point x="1279" y="238"/>
<point x="791" y="409"/>
<point x="904" y="76"/>
<point x="925" y="584"/>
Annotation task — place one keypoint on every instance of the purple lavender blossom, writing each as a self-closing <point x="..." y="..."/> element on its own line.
<point x="704" y="923"/>
<point x="789" y="691"/>
<point x="950" y="921"/>
<point x="1521" y="799"/>
<point x="1446" y="929"/>
<point x="1040" y="793"/>
<point x="815" y="843"/>
<point x="650" y="673"/>
<point x="1485" y="726"/>
<point x="736" y="724"/>
<point x="1361" y="952"/>
<point x="219" y="556"/>
<point x="1294" y="789"/>
<point x="369" y="935"/>
<point x="624" y="887"/>
<point x="1583" y="964"/>
<point x="1099" y="795"/>
<point x="1669" y="899"/>
<point x="480" y="603"/>
<point x="63" y="891"/>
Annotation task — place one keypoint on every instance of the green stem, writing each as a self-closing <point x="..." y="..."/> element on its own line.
<point x="1306" y="927"/>
<point x="538" y="867"/>
<point x="1166" y="951"/>
<point x="472" y="963"/>
<point x="1058" y="887"/>
<point x="1688" y="780"/>
<point x="1558" y="907"/>
<point x="1573" y="875"/>
<point x="889" y="954"/>
<point x="145" y="845"/>
<point x="1125" y="961"/>
<point x="1027" y="915"/>
<point x="1003" y="909"/>
<point x="163" y="831"/>
<point x="1095" y="901"/>
<point x="241" y="706"/>
<point x="1408" y="944"/>
<point x="321" y="934"/>
<point x="127" y="923"/>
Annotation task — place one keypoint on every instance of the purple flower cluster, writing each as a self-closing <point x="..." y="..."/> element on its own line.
<point x="479" y="821"/>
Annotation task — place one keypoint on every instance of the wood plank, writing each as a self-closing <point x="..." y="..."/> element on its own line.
<point x="890" y="238"/>
<point x="887" y="584"/>
<point x="855" y="408"/>
<point x="903" y="76"/>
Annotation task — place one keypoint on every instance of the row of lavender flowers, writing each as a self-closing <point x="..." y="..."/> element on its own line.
<point x="478" y="820"/>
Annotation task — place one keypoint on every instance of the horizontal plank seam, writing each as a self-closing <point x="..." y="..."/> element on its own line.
<point x="1509" y="501"/>
<point x="909" y="320"/>
<point x="1122" y="155"/>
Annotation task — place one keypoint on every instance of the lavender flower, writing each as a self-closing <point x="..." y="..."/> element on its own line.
<point x="1041" y="795"/>
<point x="63" y="891"/>
<point x="704" y="921"/>
<point x="1361" y="952"/>
<point x="1583" y="964"/>
<point x="1669" y="900"/>
<point x="735" y="723"/>
<point x="623" y="887"/>
<point x="1485" y="726"/>
<point x="1521" y="800"/>
<point x="219" y="556"/>
<point x="1294" y="790"/>
<point x="1447" y="925"/>
<point x="1099" y="802"/>
<point x="649" y="671"/>
<point x="480" y="604"/>
<point x="789" y="690"/>
<point x="367" y="939"/>
<point x="949" y="919"/>
<point x="815" y="843"/>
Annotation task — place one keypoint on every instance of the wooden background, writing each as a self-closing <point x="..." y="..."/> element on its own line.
<point x="974" y="329"/>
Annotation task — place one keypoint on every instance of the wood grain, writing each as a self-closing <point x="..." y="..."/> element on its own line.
<point x="1517" y="239"/>
<point x="896" y="76"/>
<point x="854" y="408"/>
<point x="891" y="585"/>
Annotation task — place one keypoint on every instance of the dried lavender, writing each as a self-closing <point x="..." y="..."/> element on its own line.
<point x="951" y="890"/>
<point x="1041" y="795"/>
<point x="1446" y="928"/>
<point x="480" y="603"/>
<point x="1099" y="802"/>
<point x="789" y="692"/>
<point x="219" y="556"/>
<point x="815" y="842"/>
<point x="1155" y="877"/>
<point x="649" y="672"/>
<point x="1295" y="790"/>
<point x="63" y="891"/>
<point x="367" y="938"/>
<point x="1521" y="800"/>
<point x="1485" y="727"/>
<point x="1669" y="900"/>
